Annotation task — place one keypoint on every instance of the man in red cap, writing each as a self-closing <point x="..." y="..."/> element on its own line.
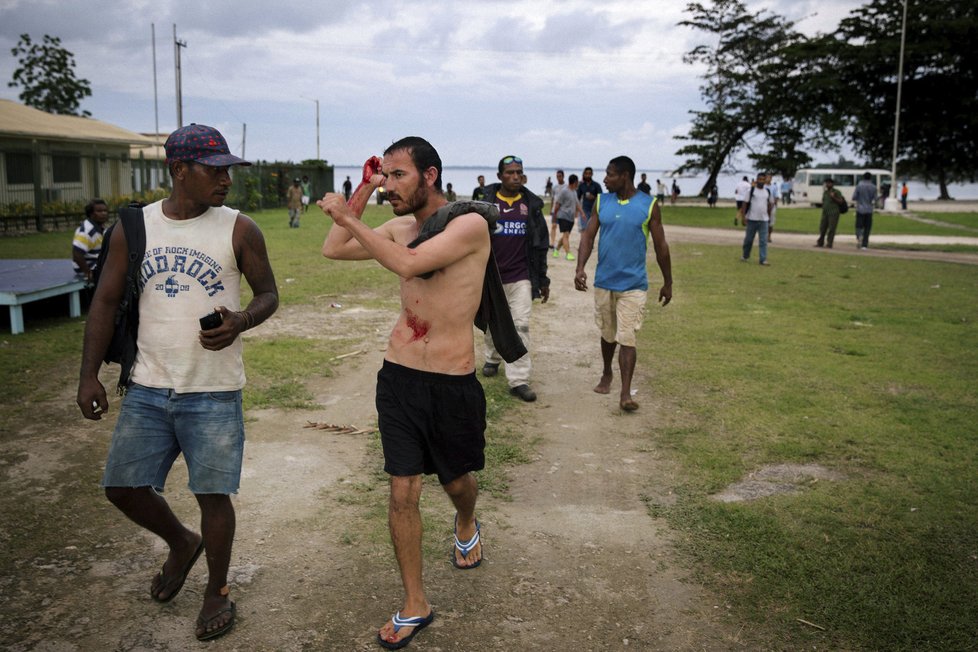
<point x="185" y="393"/>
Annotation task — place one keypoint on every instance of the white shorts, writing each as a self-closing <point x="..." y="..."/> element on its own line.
<point x="305" y="200"/>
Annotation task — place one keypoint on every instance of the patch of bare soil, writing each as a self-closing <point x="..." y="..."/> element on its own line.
<point x="775" y="479"/>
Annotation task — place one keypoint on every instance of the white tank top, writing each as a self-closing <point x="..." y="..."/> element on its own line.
<point x="188" y="270"/>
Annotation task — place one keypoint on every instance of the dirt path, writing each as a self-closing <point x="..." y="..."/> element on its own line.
<point x="573" y="560"/>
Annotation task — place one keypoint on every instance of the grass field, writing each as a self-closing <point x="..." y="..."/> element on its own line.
<point x="863" y="365"/>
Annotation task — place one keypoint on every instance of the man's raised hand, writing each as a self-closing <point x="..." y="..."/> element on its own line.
<point x="371" y="178"/>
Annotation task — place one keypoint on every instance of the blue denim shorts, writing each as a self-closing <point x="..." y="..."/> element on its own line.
<point x="156" y="425"/>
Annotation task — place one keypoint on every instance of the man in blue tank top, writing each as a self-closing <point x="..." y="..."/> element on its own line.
<point x="624" y="218"/>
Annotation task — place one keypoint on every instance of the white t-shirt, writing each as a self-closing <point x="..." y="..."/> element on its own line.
<point x="741" y="191"/>
<point x="757" y="211"/>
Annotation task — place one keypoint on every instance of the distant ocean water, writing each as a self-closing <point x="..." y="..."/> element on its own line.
<point x="464" y="179"/>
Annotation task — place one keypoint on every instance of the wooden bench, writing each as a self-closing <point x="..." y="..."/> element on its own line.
<point x="26" y="280"/>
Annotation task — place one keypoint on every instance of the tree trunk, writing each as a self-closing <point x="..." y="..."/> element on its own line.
<point x="942" y="181"/>
<point x="711" y="180"/>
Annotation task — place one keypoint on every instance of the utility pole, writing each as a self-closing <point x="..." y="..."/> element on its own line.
<point x="177" y="44"/>
<point x="156" y="103"/>
<point x="147" y="176"/>
<point x="892" y="203"/>
<point x="317" y="123"/>
<point x="317" y="128"/>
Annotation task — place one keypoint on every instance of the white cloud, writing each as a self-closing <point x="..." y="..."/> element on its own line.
<point x="570" y="83"/>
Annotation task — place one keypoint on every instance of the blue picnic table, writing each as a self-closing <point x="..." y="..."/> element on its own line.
<point x="26" y="280"/>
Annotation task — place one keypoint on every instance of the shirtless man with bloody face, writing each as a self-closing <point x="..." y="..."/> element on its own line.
<point x="428" y="376"/>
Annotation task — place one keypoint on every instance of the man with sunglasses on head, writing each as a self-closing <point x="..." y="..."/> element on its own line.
<point x="520" y="243"/>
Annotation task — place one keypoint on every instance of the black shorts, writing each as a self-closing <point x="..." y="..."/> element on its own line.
<point x="430" y="423"/>
<point x="565" y="226"/>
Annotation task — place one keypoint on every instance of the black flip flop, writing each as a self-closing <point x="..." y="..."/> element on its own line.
<point x="183" y="578"/>
<point x="220" y="631"/>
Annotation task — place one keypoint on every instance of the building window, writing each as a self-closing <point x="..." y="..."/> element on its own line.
<point x="20" y="167"/>
<point x="67" y="168"/>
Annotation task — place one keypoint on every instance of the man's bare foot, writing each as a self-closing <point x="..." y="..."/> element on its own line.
<point x="628" y="405"/>
<point x="604" y="385"/>
<point x="216" y="617"/>
<point x="393" y="636"/>
<point x="168" y="582"/>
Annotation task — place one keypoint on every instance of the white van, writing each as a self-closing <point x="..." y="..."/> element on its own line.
<point x="808" y="184"/>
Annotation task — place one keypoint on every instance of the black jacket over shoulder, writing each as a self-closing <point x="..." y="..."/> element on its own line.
<point x="537" y="238"/>
<point x="493" y="310"/>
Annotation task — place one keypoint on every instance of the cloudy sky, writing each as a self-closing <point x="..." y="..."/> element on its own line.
<point x="566" y="82"/>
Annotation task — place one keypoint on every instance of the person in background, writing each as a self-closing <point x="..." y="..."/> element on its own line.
<point x="87" y="241"/>
<point x="740" y="195"/>
<point x="755" y="214"/>
<point x="643" y="185"/>
<point x="786" y="186"/>
<point x="479" y="192"/>
<point x="519" y="245"/>
<point x="347" y="188"/>
<point x="622" y="221"/>
<point x="775" y="198"/>
<point x="660" y="192"/>
<point x="675" y="192"/>
<point x="904" y="193"/>
<point x="587" y="192"/>
<point x="293" y="200"/>
<point x="832" y="199"/>
<point x="450" y="194"/>
<point x="567" y="207"/>
<point x="711" y="198"/>
<point x="560" y="185"/>
<point x="306" y="191"/>
<point x="864" y="197"/>
<point x="185" y="396"/>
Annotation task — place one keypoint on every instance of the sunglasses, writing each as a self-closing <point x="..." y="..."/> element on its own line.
<point x="512" y="159"/>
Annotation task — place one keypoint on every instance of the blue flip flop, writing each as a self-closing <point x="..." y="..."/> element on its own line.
<point x="466" y="547"/>
<point x="417" y="622"/>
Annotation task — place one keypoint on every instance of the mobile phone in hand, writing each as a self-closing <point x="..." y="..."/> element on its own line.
<point x="210" y="321"/>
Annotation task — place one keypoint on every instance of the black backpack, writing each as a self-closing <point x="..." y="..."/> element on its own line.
<point x="122" y="347"/>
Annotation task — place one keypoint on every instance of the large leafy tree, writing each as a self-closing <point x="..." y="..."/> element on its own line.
<point x="46" y="73"/>
<point x="938" y="139"/>
<point x="744" y="90"/>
